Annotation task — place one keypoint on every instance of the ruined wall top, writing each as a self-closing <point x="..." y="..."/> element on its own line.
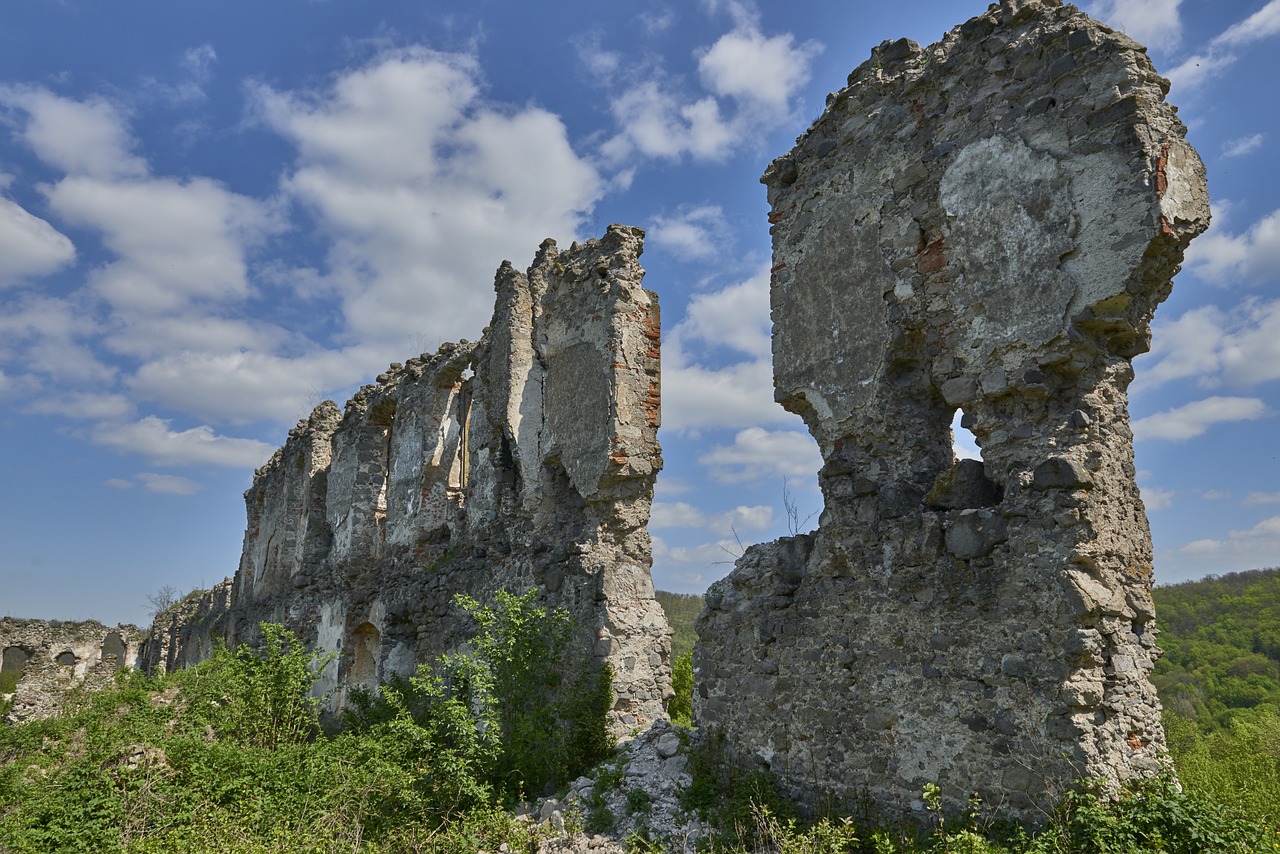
<point x="1028" y="161"/>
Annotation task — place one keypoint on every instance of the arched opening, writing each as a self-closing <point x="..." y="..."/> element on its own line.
<point x="366" y="642"/>
<point x="113" y="646"/>
<point x="14" y="659"/>
<point x="66" y="658"/>
<point x="963" y="443"/>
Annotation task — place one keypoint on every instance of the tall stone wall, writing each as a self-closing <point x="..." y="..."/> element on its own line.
<point x="986" y="224"/>
<point x="52" y="657"/>
<point x="525" y="459"/>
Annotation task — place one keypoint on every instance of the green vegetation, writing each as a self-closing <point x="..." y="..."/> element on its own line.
<point x="682" y="611"/>
<point x="229" y="755"/>
<point x="1219" y="681"/>
<point x="1221" y="640"/>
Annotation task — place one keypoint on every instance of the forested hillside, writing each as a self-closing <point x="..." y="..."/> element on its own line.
<point x="1221" y="638"/>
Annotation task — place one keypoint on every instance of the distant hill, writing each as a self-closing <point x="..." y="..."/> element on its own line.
<point x="1221" y="638"/>
<point x="681" y="609"/>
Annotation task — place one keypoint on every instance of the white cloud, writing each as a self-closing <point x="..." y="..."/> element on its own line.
<point x="176" y="241"/>
<point x="152" y="438"/>
<point x="29" y="245"/>
<point x="169" y="484"/>
<point x="1155" y="498"/>
<point x="1238" y="349"/>
<point x="599" y="63"/>
<point x="45" y="336"/>
<point x="119" y="483"/>
<point x="80" y="138"/>
<point x="1255" y="547"/>
<point x="762" y="73"/>
<point x="240" y="387"/>
<point x="1262" y="24"/>
<point x="1193" y="419"/>
<point x="423" y="190"/>
<point x="1155" y="23"/>
<point x="743" y="520"/>
<point x="676" y="514"/>
<point x="692" y="234"/>
<point x="757" y="453"/>
<point x="199" y="62"/>
<point x="1243" y="145"/>
<point x="1253" y="255"/>
<point x="1215" y="495"/>
<point x="90" y="406"/>
<point x="1254" y="498"/>
<point x="749" y="81"/>
<point x="1224" y="49"/>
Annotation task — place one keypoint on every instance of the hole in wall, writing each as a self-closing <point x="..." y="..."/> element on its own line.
<point x="963" y="443"/>
<point x="113" y="647"/>
<point x="366" y="640"/>
<point x="66" y="659"/>
<point x="14" y="658"/>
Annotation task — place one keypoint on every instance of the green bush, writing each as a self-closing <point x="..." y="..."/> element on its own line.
<point x="680" y="707"/>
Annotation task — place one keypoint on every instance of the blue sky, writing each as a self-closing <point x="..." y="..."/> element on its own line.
<point x="215" y="215"/>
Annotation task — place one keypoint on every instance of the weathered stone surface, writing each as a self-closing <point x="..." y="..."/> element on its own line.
<point x="987" y="223"/>
<point x="54" y="656"/>
<point x="524" y="459"/>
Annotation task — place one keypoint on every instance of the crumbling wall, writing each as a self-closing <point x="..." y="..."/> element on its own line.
<point x="524" y="459"/>
<point x="986" y="224"/>
<point x="52" y="657"/>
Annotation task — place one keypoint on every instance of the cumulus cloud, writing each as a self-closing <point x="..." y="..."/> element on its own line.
<point x="1155" y="498"/>
<point x="29" y="245"/>
<point x="423" y="189"/>
<point x="1194" y="419"/>
<point x="1224" y="49"/>
<point x="1243" y="145"/>
<point x="748" y="83"/>
<point x="80" y="138"/>
<point x="1249" y="548"/>
<point x="151" y="437"/>
<point x="80" y="405"/>
<point x="168" y="484"/>
<point x="176" y="241"/>
<point x="741" y="519"/>
<point x="1238" y="348"/>
<point x="1155" y="23"/>
<point x="693" y="233"/>
<point x="1252" y="255"/>
<point x="757" y="453"/>
<point x="717" y="370"/>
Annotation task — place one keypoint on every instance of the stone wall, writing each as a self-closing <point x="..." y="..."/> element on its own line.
<point x="53" y="657"/>
<point x="986" y="225"/>
<point x="525" y="459"/>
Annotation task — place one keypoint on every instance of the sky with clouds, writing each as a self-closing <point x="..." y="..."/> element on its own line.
<point x="214" y="216"/>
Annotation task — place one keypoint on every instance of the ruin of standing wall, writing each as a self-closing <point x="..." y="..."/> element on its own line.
<point x="987" y="225"/>
<point x="526" y="459"/>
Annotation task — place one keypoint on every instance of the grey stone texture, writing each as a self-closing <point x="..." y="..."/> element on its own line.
<point x="526" y="459"/>
<point x="985" y="224"/>
<point x="53" y="657"/>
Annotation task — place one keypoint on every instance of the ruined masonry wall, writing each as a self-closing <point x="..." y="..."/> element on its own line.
<point x="986" y="224"/>
<point x="52" y="657"/>
<point x="525" y="459"/>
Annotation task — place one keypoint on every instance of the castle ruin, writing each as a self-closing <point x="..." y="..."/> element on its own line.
<point x="984" y="225"/>
<point x="526" y="459"/>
